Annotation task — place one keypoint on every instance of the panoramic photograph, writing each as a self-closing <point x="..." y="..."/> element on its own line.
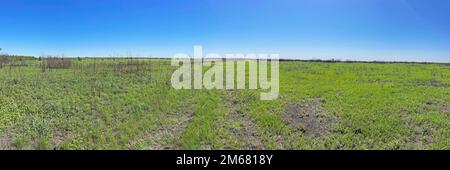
<point x="236" y="75"/>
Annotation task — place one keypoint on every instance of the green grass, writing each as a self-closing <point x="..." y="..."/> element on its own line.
<point x="321" y="106"/>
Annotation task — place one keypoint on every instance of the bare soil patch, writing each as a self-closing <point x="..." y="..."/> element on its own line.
<point x="59" y="136"/>
<point x="309" y="117"/>
<point x="5" y="143"/>
<point x="422" y="135"/>
<point x="434" y="84"/>
<point x="169" y="129"/>
<point x="241" y="125"/>
<point x="441" y="106"/>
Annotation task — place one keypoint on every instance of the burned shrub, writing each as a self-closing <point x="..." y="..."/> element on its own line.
<point x="4" y="59"/>
<point x="56" y="63"/>
<point x="130" y="66"/>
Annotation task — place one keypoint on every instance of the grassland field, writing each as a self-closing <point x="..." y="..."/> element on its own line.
<point x="118" y="104"/>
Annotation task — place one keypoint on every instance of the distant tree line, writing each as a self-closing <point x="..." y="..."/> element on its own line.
<point x="353" y="61"/>
<point x="17" y="57"/>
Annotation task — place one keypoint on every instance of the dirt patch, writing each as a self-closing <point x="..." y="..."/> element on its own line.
<point x="169" y="129"/>
<point x="241" y="125"/>
<point x="5" y="142"/>
<point x="434" y="84"/>
<point x="59" y="136"/>
<point x="309" y="117"/>
<point x="244" y="130"/>
<point x="443" y="107"/>
<point x="422" y="132"/>
<point x="422" y="136"/>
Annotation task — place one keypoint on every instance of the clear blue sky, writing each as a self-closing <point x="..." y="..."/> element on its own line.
<point x="415" y="30"/>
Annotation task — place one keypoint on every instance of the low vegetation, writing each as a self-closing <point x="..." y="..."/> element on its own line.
<point x="86" y="103"/>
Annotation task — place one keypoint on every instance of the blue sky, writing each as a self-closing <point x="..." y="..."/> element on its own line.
<point x="411" y="30"/>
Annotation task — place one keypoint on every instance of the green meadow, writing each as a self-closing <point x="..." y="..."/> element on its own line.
<point x="130" y="104"/>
